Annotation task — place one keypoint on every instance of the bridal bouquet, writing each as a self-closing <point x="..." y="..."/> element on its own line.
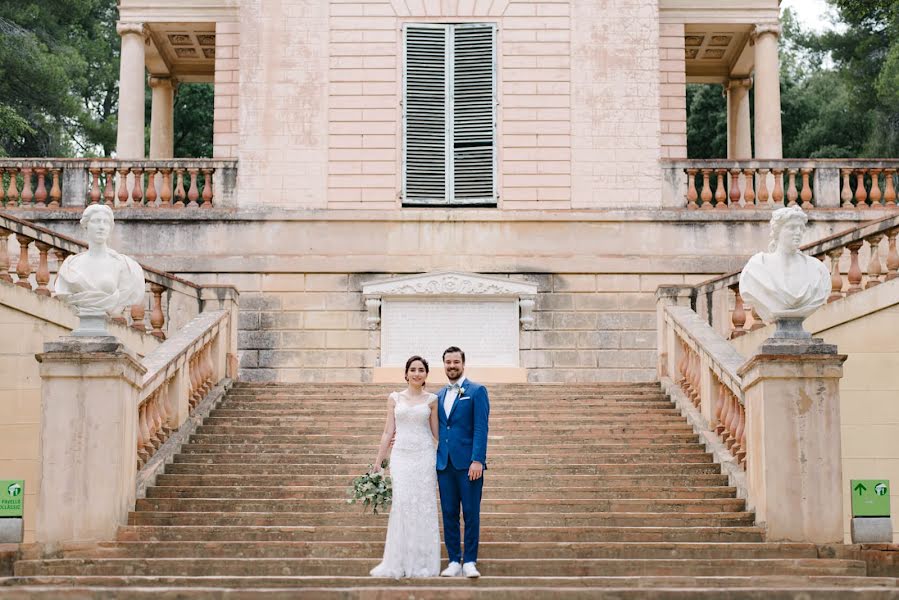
<point x="373" y="490"/>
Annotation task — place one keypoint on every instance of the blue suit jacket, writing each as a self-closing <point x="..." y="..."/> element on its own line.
<point x="463" y="436"/>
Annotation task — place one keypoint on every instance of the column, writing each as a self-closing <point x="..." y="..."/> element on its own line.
<point x="794" y="465"/>
<point x="162" y="117"/>
<point x="130" y="136"/>
<point x="768" y="136"/>
<point x="739" y="136"/>
<point x="89" y="393"/>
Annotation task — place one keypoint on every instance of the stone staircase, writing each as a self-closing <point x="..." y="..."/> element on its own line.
<point x="592" y="491"/>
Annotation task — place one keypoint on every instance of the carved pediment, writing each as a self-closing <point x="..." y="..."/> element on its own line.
<point x="449" y="283"/>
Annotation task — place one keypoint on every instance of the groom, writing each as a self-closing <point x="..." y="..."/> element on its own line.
<point x="463" y="410"/>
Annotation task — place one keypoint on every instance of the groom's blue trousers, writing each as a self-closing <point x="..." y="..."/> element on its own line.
<point x="455" y="491"/>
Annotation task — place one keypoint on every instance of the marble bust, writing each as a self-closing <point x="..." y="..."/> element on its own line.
<point x="784" y="284"/>
<point x="99" y="281"/>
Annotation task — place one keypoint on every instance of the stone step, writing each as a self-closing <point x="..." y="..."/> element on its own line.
<point x="531" y="519"/>
<point x="502" y="505"/>
<point x="500" y="479"/>
<point x="263" y="409"/>
<point x="495" y="440"/>
<point x="489" y="533"/>
<point x="507" y="422"/>
<point x="486" y="550"/>
<point x="338" y="492"/>
<point x="496" y="567"/>
<point x="496" y="459"/>
<point x="546" y="430"/>
<point x="535" y="471"/>
<point x="504" y="450"/>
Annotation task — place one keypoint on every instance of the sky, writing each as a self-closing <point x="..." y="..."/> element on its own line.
<point x="812" y="13"/>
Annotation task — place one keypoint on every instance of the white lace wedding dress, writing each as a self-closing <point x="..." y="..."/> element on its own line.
<point x="412" y="548"/>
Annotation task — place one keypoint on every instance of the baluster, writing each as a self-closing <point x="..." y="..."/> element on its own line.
<point x="194" y="382"/>
<point x="738" y="317"/>
<point x="179" y="191"/>
<point x="846" y="192"/>
<point x="681" y="364"/>
<point x="60" y="257"/>
<point x="806" y="195"/>
<point x="889" y="191"/>
<point x="156" y="421"/>
<point x="43" y="269"/>
<point x="207" y="188"/>
<point x="792" y="192"/>
<point x="27" y="194"/>
<point x="692" y="196"/>
<point x="732" y="422"/>
<point x="165" y="194"/>
<point x="719" y="407"/>
<point x="4" y="255"/>
<point x="55" y="191"/>
<point x="874" y="266"/>
<point x="749" y="193"/>
<point x="143" y="442"/>
<point x="40" y="194"/>
<point x="706" y="194"/>
<point x="137" y="190"/>
<point x="23" y="269"/>
<point x="12" y="193"/>
<point x="697" y="387"/>
<point x="95" y="185"/>
<point x="157" y="318"/>
<point x="109" y="187"/>
<point x="151" y="188"/>
<point x="735" y="188"/>
<point x="861" y="195"/>
<point x="778" y="194"/>
<point x="757" y="322"/>
<point x="193" y="193"/>
<point x="721" y="429"/>
<point x="855" y="272"/>
<point x="875" y="194"/>
<point x="123" y="187"/>
<point x="137" y="317"/>
<point x="720" y="194"/>
<point x="836" y="278"/>
<point x="741" y="434"/>
<point x="892" y="255"/>
<point x="763" y="187"/>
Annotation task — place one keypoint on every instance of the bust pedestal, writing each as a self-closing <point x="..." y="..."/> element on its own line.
<point x="794" y="473"/>
<point x="89" y="392"/>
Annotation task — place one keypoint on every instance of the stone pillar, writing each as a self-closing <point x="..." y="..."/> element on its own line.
<point x="739" y="132"/>
<point x="768" y="135"/>
<point x="668" y="351"/>
<point x="130" y="136"/>
<point x="162" y="117"/>
<point x="794" y="464"/>
<point x="89" y="392"/>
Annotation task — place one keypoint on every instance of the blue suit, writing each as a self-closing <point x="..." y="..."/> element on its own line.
<point x="463" y="440"/>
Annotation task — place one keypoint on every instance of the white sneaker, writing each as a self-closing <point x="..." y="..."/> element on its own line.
<point x="452" y="570"/>
<point x="469" y="570"/>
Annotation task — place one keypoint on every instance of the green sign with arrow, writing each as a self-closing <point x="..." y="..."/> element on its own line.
<point x="870" y="497"/>
<point x="12" y="497"/>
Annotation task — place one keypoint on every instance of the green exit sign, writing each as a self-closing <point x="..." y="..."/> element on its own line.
<point x="870" y="497"/>
<point x="12" y="497"/>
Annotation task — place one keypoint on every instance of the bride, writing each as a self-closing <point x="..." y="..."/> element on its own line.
<point x="412" y="548"/>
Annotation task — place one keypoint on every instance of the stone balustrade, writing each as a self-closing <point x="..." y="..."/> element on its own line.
<point x="767" y="184"/>
<point x="180" y="373"/>
<point x="30" y="254"/>
<point x="858" y="259"/>
<point x="172" y="183"/>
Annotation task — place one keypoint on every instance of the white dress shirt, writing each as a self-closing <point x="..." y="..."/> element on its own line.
<point x="450" y="398"/>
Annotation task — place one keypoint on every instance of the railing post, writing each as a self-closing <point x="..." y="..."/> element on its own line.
<point x="794" y="462"/>
<point x="224" y="298"/>
<point x="827" y="187"/>
<point x="75" y="185"/>
<point x="89" y="393"/>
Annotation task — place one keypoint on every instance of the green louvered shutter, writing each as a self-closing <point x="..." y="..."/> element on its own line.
<point x="449" y="102"/>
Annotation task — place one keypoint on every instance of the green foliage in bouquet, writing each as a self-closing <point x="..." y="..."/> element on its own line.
<point x="372" y="490"/>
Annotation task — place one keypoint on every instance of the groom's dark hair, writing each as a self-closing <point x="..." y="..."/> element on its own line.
<point x="453" y="350"/>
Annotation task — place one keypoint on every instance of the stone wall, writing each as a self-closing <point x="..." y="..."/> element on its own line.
<point x="673" y="90"/>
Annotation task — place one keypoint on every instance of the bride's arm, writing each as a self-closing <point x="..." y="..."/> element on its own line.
<point x="389" y="430"/>
<point x="435" y="421"/>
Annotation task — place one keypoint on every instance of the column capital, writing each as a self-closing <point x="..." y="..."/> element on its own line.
<point x="745" y="82"/>
<point x="124" y="27"/>
<point x="162" y="81"/>
<point x="763" y="28"/>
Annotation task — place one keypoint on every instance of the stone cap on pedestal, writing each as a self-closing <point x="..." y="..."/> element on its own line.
<point x="88" y="357"/>
<point x="791" y="366"/>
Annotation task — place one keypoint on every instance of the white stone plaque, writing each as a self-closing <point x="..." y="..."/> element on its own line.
<point x="487" y="330"/>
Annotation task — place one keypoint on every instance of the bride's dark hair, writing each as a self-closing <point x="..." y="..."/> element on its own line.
<point x="419" y="359"/>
